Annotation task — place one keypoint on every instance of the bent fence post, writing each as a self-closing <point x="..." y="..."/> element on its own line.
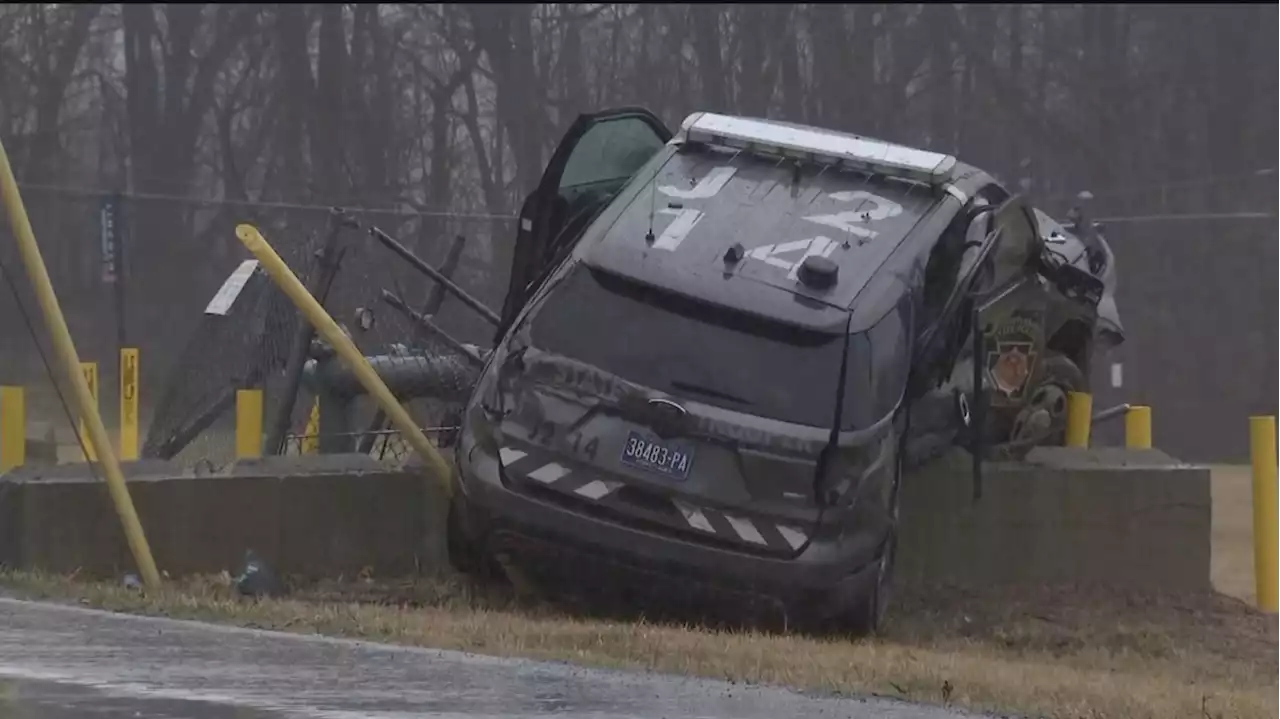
<point x="436" y="465"/>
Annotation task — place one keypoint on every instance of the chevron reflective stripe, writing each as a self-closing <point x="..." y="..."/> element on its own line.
<point x="762" y="534"/>
<point x="793" y="536"/>
<point x="745" y="529"/>
<point x="510" y="456"/>
<point x="580" y="483"/>
<point x="597" y="489"/>
<point x="548" y="473"/>
<point x="694" y="516"/>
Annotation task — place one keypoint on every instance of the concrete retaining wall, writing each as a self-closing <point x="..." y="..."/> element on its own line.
<point x="311" y="516"/>
<point x="1108" y="517"/>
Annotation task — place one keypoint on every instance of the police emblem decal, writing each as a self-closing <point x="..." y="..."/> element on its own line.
<point x="1012" y="357"/>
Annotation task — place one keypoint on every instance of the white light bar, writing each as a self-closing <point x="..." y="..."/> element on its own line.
<point x="811" y="143"/>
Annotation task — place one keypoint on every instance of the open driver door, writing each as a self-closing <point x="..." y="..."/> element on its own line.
<point x="598" y="155"/>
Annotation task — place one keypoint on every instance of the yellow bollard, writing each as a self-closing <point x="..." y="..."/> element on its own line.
<point x="248" y="423"/>
<point x="90" y="371"/>
<point x="436" y="466"/>
<point x="65" y="350"/>
<point x="13" y="428"/>
<point x="1079" y="417"/>
<point x="129" y="404"/>
<point x="311" y="436"/>
<point x="1266" y="530"/>
<point x="1137" y="427"/>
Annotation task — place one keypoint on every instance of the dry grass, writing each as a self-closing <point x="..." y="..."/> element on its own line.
<point x="1053" y="653"/>
<point x="1049" y="653"/>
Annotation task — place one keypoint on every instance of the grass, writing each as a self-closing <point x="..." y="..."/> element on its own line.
<point x="1047" y="652"/>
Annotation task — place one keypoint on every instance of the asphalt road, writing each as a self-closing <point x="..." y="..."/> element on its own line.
<point x="67" y="662"/>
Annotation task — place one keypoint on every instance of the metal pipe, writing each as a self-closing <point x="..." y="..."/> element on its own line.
<point x="435" y="464"/>
<point x="1111" y="413"/>
<point x="435" y="299"/>
<point x="445" y="377"/>
<point x="420" y="265"/>
<point x="65" y="349"/>
<point x="328" y="259"/>
<point x="424" y="322"/>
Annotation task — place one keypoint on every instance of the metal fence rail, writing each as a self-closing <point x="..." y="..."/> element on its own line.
<point x="150" y="288"/>
<point x="1196" y="294"/>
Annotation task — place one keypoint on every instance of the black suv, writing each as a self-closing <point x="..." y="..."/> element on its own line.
<point x="719" y="350"/>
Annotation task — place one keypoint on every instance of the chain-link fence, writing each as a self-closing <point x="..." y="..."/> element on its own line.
<point x="1196" y="294"/>
<point x="1197" y="289"/>
<point x="150" y="286"/>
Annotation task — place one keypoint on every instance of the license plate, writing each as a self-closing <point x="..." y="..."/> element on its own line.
<point x="672" y="460"/>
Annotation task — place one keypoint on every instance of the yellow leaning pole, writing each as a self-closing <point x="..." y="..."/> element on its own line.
<point x="346" y="349"/>
<point x="65" y="350"/>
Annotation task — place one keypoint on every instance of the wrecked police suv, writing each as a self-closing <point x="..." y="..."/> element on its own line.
<point x="719" y="350"/>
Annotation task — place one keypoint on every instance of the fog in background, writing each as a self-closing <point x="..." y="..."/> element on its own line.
<point x="438" y="119"/>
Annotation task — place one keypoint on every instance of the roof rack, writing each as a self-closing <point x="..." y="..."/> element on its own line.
<point x="817" y="145"/>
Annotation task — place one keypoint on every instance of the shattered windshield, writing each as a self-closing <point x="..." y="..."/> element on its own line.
<point x="704" y="352"/>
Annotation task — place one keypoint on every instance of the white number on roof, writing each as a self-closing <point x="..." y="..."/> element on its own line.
<point x="685" y="218"/>
<point x="872" y="208"/>
<point x="820" y="246"/>
<point x="706" y="188"/>
<point x="679" y="228"/>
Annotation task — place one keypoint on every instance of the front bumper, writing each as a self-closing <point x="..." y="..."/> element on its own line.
<point x="563" y="550"/>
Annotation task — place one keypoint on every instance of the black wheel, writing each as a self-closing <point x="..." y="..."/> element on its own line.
<point x="1043" y="419"/>
<point x="865" y="615"/>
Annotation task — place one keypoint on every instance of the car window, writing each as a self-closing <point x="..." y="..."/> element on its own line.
<point x="1015" y="245"/>
<point x="707" y="353"/>
<point x="610" y="150"/>
<point x="942" y="269"/>
<point x="877" y="372"/>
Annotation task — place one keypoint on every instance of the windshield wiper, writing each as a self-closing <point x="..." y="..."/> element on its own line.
<point x="708" y="392"/>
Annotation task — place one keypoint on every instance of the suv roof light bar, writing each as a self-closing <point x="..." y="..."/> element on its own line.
<point x="824" y="146"/>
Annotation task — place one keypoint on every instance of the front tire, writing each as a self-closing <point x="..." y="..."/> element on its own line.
<point x="466" y="551"/>
<point x="866" y="614"/>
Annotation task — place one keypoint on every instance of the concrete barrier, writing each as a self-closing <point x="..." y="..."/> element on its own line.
<point x="1103" y="517"/>
<point x="310" y="516"/>
<point x="1127" y="518"/>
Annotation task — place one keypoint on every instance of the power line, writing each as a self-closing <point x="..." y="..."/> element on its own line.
<point x="215" y="202"/>
<point x="1173" y="185"/>
<point x="1193" y="216"/>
